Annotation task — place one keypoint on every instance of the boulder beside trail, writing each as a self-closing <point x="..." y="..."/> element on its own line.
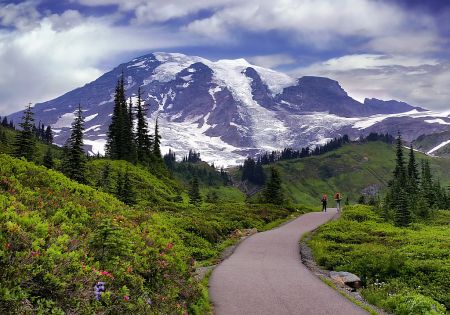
<point x="347" y="278"/>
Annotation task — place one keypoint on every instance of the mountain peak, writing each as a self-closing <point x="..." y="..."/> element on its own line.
<point x="227" y="109"/>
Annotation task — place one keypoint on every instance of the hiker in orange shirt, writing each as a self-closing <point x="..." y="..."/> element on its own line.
<point x="338" y="199"/>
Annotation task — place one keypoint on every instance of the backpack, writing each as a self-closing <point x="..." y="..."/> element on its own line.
<point x="324" y="198"/>
<point x="338" y="196"/>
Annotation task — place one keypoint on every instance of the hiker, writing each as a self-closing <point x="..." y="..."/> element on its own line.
<point x="338" y="199"/>
<point x="324" y="203"/>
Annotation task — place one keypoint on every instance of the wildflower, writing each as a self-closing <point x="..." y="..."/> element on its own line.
<point x="126" y="298"/>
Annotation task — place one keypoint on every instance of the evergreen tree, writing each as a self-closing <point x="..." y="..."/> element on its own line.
<point x="48" y="159"/>
<point x="399" y="170"/>
<point x="259" y="178"/>
<point x="3" y="138"/>
<point x="77" y="159"/>
<point x="362" y="199"/>
<point x="119" y="185"/>
<point x="25" y="145"/>
<point x="106" y="177"/>
<point x="65" y="156"/>
<point x="402" y="214"/>
<point x="170" y="159"/>
<point x="398" y="198"/>
<point x="5" y="122"/>
<point x="127" y="194"/>
<point x="157" y="144"/>
<point x="426" y="184"/>
<point x="119" y="131"/>
<point x="143" y="139"/>
<point x="48" y="135"/>
<point x="248" y="170"/>
<point x="273" y="191"/>
<point x="413" y="179"/>
<point x="130" y="142"/>
<point x="194" y="190"/>
<point x="109" y="242"/>
<point x="157" y="159"/>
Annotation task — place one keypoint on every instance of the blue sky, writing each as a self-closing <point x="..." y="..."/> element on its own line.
<point x="391" y="49"/>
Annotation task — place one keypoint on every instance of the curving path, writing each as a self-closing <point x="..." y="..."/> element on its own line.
<point x="265" y="275"/>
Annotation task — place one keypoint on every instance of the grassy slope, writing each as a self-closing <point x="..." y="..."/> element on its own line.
<point x="48" y="227"/>
<point x="348" y="170"/>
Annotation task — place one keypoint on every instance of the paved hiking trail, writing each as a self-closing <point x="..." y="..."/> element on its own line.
<point x="265" y="276"/>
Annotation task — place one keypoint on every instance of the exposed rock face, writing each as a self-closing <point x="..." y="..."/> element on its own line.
<point x="371" y="190"/>
<point x="229" y="109"/>
<point x="389" y="107"/>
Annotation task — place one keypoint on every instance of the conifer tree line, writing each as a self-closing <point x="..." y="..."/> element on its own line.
<point x="6" y="124"/>
<point x="412" y="193"/>
<point x="252" y="169"/>
<point x="42" y="133"/>
<point x="128" y="133"/>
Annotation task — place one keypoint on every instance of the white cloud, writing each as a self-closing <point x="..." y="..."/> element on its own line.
<point x="23" y="16"/>
<point x="271" y="61"/>
<point x="67" y="20"/>
<point x="417" y="43"/>
<point x="317" y="22"/>
<point x="64" y="52"/>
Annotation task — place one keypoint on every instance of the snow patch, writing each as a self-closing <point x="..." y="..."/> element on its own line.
<point x="89" y="118"/>
<point x="140" y="64"/>
<point x="65" y="121"/>
<point x="98" y="146"/>
<point x="443" y="144"/>
<point x="47" y="110"/>
<point x="212" y="91"/>
<point x="187" y="78"/>
<point x="172" y="64"/>
<point x="437" y="121"/>
<point x="365" y="122"/>
<point x="95" y="128"/>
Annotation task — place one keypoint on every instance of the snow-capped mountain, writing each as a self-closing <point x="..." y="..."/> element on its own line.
<point x="230" y="109"/>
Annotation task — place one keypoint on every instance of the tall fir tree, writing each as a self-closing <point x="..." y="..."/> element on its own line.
<point x="48" y="135"/>
<point x="3" y="138"/>
<point x="143" y="139"/>
<point x="412" y="187"/>
<point x="157" y="145"/>
<point x="48" y="159"/>
<point x="273" y="191"/>
<point x="127" y="194"/>
<point x="397" y="197"/>
<point x="130" y="142"/>
<point x="77" y="159"/>
<point x="426" y="184"/>
<point x="194" y="190"/>
<point x="25" y="144"/>
<point x="118" y="131"/>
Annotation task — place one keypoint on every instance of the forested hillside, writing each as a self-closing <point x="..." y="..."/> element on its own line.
<point x="355" y="169"/>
